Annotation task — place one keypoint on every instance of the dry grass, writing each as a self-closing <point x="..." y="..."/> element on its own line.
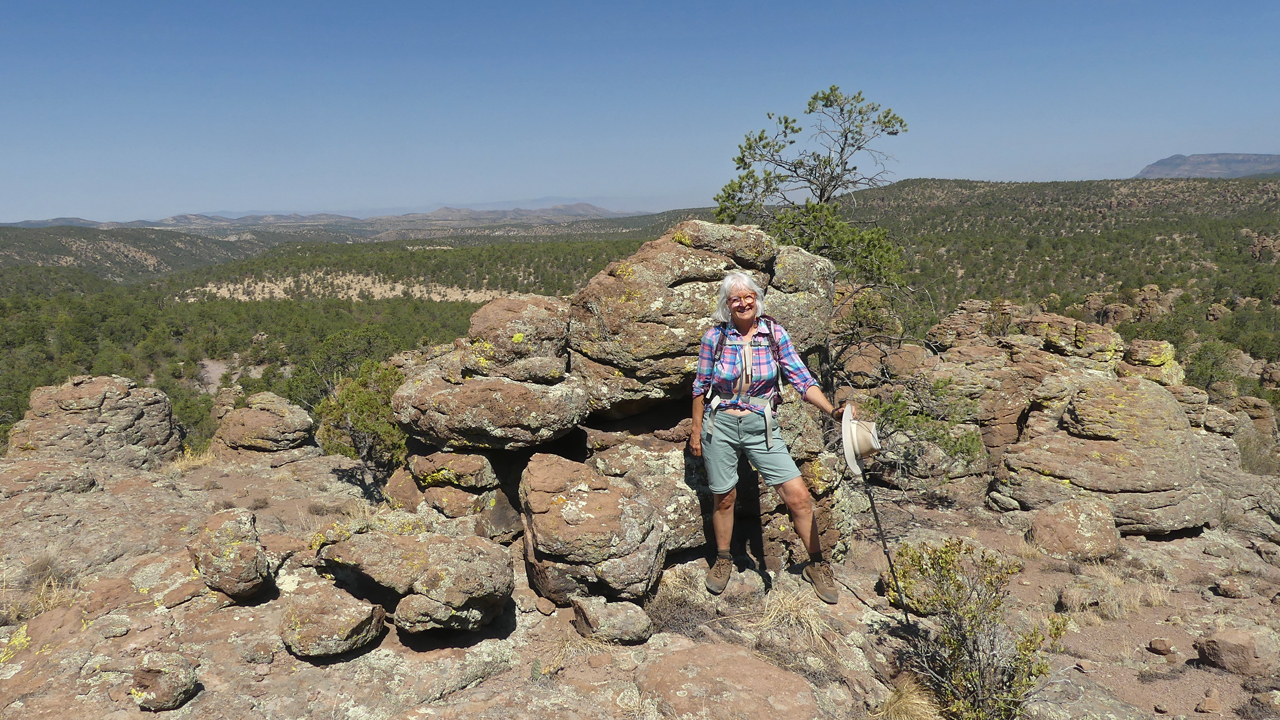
<point x="321" y="509"/>
<point x="42" y="586"/>
<point x="793" y="634"/>
<point x="569" y="645"/>
<point x="189" y="461"/>
<point x="796" y="611"/>
<point x="223" y="505"/>
<point x="1025" y="550"/>
<point x="211" y="485"/>
<point x="910" y="701"/>
<point x="1120" y="597"/>
<point x="671" y="608"/>
<point x="259" y="503"/>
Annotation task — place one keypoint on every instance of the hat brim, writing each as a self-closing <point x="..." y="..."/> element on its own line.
<point x="859" y="440"/>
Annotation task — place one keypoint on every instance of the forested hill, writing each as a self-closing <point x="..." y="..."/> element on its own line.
<point x="1026" y="241"/>
<point x="126" y="254"/>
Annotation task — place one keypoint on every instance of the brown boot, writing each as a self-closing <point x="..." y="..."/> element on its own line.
<point x="719" y="574"/>
<point x="824" y="583"/>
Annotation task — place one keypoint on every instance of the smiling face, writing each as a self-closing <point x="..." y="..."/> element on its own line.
<point x="742" y="306"/>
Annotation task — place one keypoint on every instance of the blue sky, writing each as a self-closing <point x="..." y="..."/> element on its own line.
<point x="127" y="110"/>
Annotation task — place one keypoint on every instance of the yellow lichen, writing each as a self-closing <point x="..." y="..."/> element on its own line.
<point x="18" y="642"/>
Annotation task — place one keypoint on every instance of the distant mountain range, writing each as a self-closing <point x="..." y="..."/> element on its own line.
<point x="1215" y="165"/>
<point x="443" y="218"/>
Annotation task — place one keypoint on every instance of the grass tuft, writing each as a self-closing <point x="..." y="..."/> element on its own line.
<point x="910" y="701"/>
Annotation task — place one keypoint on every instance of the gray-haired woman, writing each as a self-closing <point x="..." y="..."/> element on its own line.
<point x="740" y="364"/>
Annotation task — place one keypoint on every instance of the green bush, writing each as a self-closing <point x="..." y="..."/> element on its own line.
<point x="356" y="419"/>
<point x="977" y="667"/>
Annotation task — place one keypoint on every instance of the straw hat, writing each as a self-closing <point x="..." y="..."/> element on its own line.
<point x="860" y="440"/>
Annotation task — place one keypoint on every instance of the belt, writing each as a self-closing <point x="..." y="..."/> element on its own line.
<point x="762" y="402"/>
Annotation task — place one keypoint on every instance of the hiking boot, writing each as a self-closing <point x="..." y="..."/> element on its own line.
<point x="824" y="583"/>
<point x="719" y="574"/>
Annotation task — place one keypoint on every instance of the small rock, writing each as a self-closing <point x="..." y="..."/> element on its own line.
<point x="259" y="653"/>
<point x="1161" y="709"/>
<point x="1086" y="666"/>
<point x="163" y="681"/>
<point x="1234" y="587"/>
<point x="1269" y="701"/>
<point x="1160" y="646"/>
<point x="546" y="607"/>
<point x="526" y="600"/>
<point x="1211" y="703"/>
<point x="611" y="621"/>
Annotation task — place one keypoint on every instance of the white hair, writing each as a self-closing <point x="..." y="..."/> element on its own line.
<point x="737" y="281"/>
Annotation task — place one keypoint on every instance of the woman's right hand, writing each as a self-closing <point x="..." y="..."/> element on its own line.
<point x="695" y="443"/>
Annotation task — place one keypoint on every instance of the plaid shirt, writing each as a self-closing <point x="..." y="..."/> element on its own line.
<point x="725" y="374"/>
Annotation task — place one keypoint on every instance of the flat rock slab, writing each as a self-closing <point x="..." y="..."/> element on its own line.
<point x="725" y="682"/>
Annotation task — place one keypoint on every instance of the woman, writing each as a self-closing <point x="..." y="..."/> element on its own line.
<point x="734" y="395"/>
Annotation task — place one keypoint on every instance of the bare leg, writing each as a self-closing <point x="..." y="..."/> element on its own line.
<point x="796" y="495"/>
<point x="722" y="518"/>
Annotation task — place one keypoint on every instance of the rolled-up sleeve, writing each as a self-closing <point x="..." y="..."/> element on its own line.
<point x="792" y="366"/>
<point x="706" y="363"/>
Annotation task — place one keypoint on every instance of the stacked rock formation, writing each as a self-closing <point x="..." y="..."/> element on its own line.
<point x="595" y="386"/>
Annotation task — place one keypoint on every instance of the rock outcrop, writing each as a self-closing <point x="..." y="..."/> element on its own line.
<point x="585" y="530"/>
<point x="549" y="470"/>
<point x="99" y="419"/>
<point x="268" y="426"/>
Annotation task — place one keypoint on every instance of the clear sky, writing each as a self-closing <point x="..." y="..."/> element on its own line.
<point x="127" y="109"/>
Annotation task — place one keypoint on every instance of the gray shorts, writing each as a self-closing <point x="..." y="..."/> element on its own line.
<point x="733" y="433"/>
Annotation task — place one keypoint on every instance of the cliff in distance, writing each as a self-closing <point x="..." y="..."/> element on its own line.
<point x="1213" y="165"/>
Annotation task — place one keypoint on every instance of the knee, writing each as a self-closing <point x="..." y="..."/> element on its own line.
<point x="724" y="503"/>
<point x="800" y="502"/>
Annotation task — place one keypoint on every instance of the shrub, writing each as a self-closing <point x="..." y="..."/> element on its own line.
<point x="976" y="666"/>
<point x="356" y="420"/>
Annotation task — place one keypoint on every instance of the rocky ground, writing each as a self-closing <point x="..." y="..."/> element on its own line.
<point x="542" y="552"/>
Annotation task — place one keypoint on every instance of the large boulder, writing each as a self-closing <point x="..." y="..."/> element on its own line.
<point x="467" y="583"/>
<point x="319" y="619"/>
<point x="268" y="423"/>
<point x="665" y="477"/>
<point x="456" y="583"/>
<point x="497" y="413"/>
<point x="504" y="386"/>
<point x="1076" y="529"/>
<point x="107" y="419"/>
<point x="586" y="533"/>
<point x="637" y="325"/>
<point x="1252" y="650"/>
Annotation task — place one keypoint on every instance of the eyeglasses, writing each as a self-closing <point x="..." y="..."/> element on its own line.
<point x="742" y="300"/>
